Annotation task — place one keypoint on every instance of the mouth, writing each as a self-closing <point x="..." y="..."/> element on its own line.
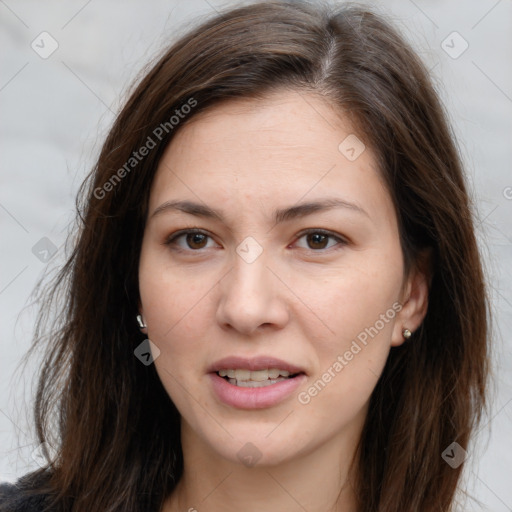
<point x="254" y="383"/>
<point x="255" y="379"/>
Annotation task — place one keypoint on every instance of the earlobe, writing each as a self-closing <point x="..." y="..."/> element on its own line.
<point x="415" y="305"/>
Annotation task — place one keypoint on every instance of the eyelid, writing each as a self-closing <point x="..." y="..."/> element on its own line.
<point x="322" y="231"/>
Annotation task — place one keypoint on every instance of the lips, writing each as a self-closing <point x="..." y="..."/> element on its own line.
<point x="254" y="364"/>
<point x="248" y="394"/>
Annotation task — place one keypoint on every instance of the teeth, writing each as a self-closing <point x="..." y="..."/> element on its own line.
<point x="255" y="384"/>
<point x="258" y="376"/>
<point x="242" y="375"/>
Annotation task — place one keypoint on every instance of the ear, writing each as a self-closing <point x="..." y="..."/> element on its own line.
<point x="414" y="299"/>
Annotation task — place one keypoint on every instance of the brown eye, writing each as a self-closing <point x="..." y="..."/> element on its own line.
<point x="317" y="240"/>
<point x="190" y="240"/>
<point x="196" y="240"/>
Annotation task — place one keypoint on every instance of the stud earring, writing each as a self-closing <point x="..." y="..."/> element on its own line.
<point x="141" y="322"/>
<point x="406" y="334"/>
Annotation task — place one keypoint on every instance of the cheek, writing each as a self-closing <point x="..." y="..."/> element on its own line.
<point x="178" y="311"/>
<point x="350" y="300"/>
<point x="355" y="310"/>
<point x="178" y="314"/>
<point x="350" y="360"/>
<point x="169" y="295"/>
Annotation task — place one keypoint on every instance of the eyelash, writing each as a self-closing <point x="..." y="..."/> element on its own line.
<point x="171" y="240"/>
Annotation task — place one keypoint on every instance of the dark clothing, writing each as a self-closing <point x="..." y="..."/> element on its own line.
<point x="18" y="497"/>
<point x="14" y="500"/>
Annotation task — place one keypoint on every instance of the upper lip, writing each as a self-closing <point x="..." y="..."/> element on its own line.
<point x="253" y="364"/>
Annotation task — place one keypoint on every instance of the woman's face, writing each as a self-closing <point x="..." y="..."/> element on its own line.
<point x="295" y="266"/>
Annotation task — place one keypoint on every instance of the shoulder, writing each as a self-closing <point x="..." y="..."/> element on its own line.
<point x="23" y="496"/>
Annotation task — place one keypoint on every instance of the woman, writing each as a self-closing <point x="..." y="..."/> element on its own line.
<point x="276" y="299"/>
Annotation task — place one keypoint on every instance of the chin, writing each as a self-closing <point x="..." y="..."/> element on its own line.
<point x="255" y="447"/>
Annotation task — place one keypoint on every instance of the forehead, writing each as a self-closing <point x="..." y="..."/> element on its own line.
<point x="279" y="148"/>
<point x="289" y="125"/>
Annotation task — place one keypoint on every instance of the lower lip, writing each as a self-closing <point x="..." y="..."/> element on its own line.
<point x="254" y="398"/>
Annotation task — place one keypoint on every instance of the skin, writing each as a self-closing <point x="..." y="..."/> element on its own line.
<point x="300" y="300"/>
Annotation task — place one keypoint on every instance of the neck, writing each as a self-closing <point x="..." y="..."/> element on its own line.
<point x="317" y="481"/>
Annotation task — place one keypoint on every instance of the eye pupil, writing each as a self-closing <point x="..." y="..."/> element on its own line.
<point x="317" y="240"/>
<point x="194" y="239"/>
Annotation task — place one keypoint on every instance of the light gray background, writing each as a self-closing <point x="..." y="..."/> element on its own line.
<point x="56" y="111"/>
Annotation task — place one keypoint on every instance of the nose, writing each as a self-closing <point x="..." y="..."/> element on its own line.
<point x="252" y="298"/>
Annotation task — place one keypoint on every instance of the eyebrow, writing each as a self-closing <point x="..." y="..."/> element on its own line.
<point x="293" y="212"/>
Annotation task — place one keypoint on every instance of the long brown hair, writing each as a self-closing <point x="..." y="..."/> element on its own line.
<point x="115" y="429"/>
